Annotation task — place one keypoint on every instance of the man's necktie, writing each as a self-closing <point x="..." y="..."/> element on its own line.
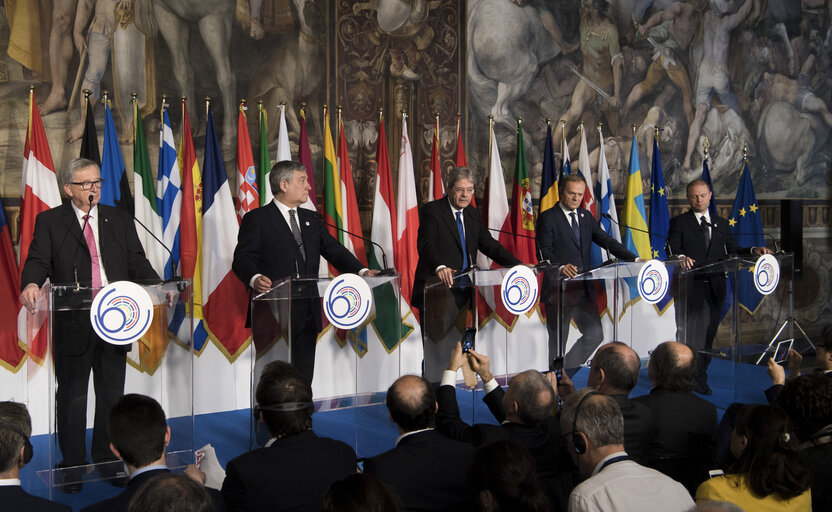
<point x="96" y="262"/>
<point x="703" y="223"/>
<point x="462" y="239"/>
<point x="576" y="228"/>
<point x="296" y="233"/>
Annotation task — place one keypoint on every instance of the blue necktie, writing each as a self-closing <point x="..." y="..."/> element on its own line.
<point x="575" y="227"/>
<point x="462" y="239"/>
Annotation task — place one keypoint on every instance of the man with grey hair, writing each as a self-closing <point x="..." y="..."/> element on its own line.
<point x="525" y="411"/>
<point x="83" y="242"/>
<point x="280" y="240"/>
<point x="451" y="233"/>
<point x="594" y="430"/>
<point x="16" y="452"/>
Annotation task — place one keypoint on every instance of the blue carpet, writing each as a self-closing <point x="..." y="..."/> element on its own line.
<point x="367" y="428"/>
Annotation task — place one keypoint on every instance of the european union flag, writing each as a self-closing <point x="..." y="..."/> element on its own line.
<point x="659" y="209"/>
<point x="747" y="227"/>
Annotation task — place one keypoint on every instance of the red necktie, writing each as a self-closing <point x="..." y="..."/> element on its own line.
<point x="96" y="262"/>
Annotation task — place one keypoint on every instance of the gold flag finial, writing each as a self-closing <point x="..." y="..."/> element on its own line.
<point x="634" y="129"/>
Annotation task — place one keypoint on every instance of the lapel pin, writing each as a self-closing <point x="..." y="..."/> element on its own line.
<point x="582" y="215"/>
<point x="307" y="222"/>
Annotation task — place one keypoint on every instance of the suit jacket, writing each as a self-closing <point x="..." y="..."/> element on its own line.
<point x="438" y="243"/>
<point x="13" y="497"/>
<point x="684" y="441"/>
<point x="685" y="236"/>
<point x="555" y="470"/>
<point x="266" y="245"/>
<point x="120" y="502"/>
<point x="556" y="240"/>
<point x="58" y="248"/>
<point x="639" y="428"/>
<point x="426" y="470"/>
<point x="291" y="474"/>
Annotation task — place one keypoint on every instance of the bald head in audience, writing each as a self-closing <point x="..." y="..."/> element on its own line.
<point x="672" y="367"/>
<point x="411" y="403"/>
<point x="614" y="369"/>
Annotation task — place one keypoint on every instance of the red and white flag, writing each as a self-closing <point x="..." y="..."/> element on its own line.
<point x="39" y="192"/>
<point x="437" y="188"/>
<point x="248" y="197"/>
<point x="407" y="217"/>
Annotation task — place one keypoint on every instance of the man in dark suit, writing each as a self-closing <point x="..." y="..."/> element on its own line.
<point x="614" y="372"/>
<point x="565" y="234"/>
<point x="280" y="240"/>
<point x="296" y="467"/>
<point x="16" y="452"/>
<point x="525" y="413"/>
<point x="61" y="252"/>
<point x="450" y="234"/>
<point x="699" y="241"/>
<point x="683" y="447"/>
<point x="425" y="469"/>
<point x="139" y="435"/>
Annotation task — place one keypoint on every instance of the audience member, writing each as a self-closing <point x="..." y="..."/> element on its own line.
<point x="807" y="401"/>
<point x="768" y="474"/>
<point x="823" y="360"/>
<point x="169" y="492"/>
<point x="361" y="492"/>
<point x="614" y="371"/>
<point x="594" y="430"/>
<point x="503" y="478"/>
<point x="16" y="452"/>
<point x="296" y="467"/>
<point x="139" y="434"/>
<point x="683" y="447"/>
<point x="525" y="412"/>
<point x="425" y="469"/>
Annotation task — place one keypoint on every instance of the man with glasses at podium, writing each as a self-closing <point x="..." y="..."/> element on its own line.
<point x="84" y="243"/>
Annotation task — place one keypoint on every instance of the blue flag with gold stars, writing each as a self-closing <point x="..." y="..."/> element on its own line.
<point x="747" y="227"/>
<point x="659" y="210"/>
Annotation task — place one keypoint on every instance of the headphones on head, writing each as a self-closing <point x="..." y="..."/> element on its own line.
<point x="28" y="451"/>
<point x="578" y="442"/>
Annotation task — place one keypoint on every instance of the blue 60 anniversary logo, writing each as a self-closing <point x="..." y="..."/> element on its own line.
<point x="519" y="289"/>
<point x="347" y="301"/>
<point x="121" y="312"/>
<point x="766" y="274"/>
<point x="653" y="281"/>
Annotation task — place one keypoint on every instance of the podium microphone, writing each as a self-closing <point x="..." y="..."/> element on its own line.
<point x="386" y="271"/>
<point x="541" y="262"/>
<point x="180" y="283"/>
<point x="666" y="244"/>
<point x="83" y="229"/>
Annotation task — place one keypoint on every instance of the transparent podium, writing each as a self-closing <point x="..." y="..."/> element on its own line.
<point x="352" y="368"/>
<point x="720" y="302"/>
<point x="513" y="343"/>
<point x="605" y="304"/>
<point x="159" y="365"/>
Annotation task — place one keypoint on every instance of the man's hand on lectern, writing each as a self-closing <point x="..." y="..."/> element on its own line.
<point x="262" y="284"/>
<point x="447" y="276"/>
<point x="29" y="296"/>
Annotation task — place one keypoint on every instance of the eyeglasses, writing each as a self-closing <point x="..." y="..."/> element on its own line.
<point x="88" y="185"/>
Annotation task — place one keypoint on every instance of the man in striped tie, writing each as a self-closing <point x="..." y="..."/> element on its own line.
<point x="89" y="245"/>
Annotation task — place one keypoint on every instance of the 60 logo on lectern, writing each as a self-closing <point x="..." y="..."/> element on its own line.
<point x="347" y="301"/>
<point x="766" y="274"/>
<point x="121" y="312"/>
<point x="519" y="289"/>
<point x="653" y="281"/>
